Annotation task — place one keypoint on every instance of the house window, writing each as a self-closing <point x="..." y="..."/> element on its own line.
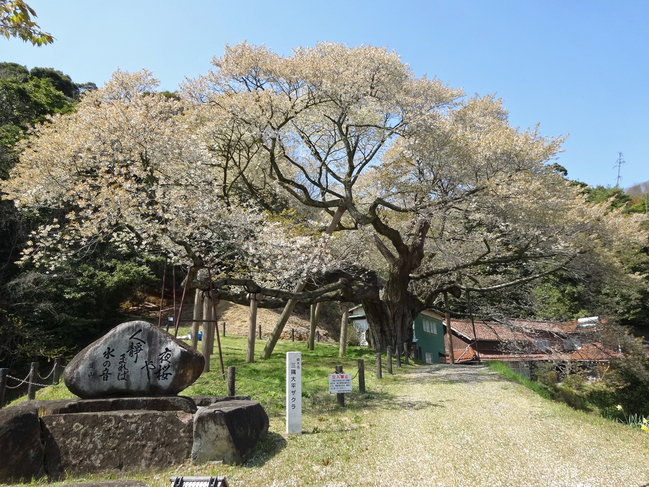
<point x="430" y="327"/>
<point x="429" y="357"/>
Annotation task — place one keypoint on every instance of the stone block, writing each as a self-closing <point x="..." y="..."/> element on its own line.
<point x="160" y="403"/>
<point x="228" y="431"/>
<point x="21" y="447"/>
<point x="117" y="441"/>
<point x="133" y="359"/>
<point x="204" y="401"/>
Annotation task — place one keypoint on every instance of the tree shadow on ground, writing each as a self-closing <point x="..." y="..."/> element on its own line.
<point x="455" y="374"/>
<point x="268" y="448"/>
<point x="325" y="403"/>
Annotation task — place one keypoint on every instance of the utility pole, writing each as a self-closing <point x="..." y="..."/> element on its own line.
<point x="619" y="163"/>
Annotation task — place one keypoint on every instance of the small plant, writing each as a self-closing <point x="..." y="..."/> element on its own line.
<point x="632" y="420"/>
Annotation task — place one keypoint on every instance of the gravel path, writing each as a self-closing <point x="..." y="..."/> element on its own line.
<point x="484" y="430"/>
<point x="447" y="426"/>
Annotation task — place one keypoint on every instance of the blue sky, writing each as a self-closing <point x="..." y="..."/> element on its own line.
<point x="575" y="67"/>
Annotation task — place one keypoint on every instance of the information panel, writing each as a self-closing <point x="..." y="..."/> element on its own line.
<point x="340" y="383"/>
<point x="293" y="393"/>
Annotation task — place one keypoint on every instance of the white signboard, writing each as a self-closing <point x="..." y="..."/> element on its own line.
<point x="293" y="393"/>
<point x="339" y="383"/>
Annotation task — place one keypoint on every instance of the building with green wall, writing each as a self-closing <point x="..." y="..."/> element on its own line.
<point x="428" y="337"/>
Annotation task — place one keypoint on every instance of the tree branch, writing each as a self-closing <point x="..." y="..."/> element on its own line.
<point x="519" y="281"/>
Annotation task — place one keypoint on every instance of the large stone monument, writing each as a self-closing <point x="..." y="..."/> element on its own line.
<point x="133" y="359"/>
<point x="130" y="418"/>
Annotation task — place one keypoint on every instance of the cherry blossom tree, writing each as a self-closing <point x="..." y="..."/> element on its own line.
<point x="441" y="193"/>
<point x="126" y="167"/>
<point x="243" y="173"/>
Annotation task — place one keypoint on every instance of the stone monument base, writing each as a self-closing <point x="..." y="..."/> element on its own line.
<point x="79" y="436"/>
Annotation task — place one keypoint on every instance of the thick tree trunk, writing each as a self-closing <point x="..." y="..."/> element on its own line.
<point x="390" y="321"/>
<point x="390" y="316"/>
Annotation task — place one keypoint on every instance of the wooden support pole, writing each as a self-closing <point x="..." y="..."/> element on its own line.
<point x="344" y="319"/>
<point x="178" y="317"/>
<point x="379" y="370"/>
<point x="3" y="386"/>
<point x="406" y="353"/>
<point x="215" y="331"/>
<point x="252" y="327"/>
<point x="361" y="376"/>
<point x="290" y="305"/>
<point x="315" y="311"/>
<point x="388" y="359"/>
<point x="451" y="355"/>
<point x="56" y="375"/>
<point x="231" y="381"/>
<point x="312" y="325"/>
<point x="33" y="376"/>
<point x="196" y="316"/>
<point x="206" y="333"/>
<point x="260" y="332"/>
<point x="292" y="334"/>
<point x="340" y="397"/>
<point x="398" y="355"/>
<point x="224" y="328"/>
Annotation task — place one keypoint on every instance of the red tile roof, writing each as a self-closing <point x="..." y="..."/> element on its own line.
<point x="514" y="330"/>
<point x="527" y="331"/>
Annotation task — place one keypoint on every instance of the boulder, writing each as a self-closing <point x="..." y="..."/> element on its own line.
<point x="133" y="359"/>
<point x="228" y="431"/>
<point x="20" y="444"/>
<point x="115" y="441"/>
<point x="160" y="403"/>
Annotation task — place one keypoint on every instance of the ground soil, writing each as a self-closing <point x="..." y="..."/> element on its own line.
<point x="236" y="319"/>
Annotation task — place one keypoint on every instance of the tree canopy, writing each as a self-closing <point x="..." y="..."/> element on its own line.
<point x="242" y="172"/>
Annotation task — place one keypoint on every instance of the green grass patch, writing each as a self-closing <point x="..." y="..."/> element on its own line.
<point x="264" y="379"/>
<point x="504" y="370"/>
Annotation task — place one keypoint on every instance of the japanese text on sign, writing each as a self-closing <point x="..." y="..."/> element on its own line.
<point x="121" y="362"/>
<point x="293" y="393"/>
<point x="340" y="383"/>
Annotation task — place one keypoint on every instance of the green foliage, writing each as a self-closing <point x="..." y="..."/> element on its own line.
<point x="600" y="194"/>
<point x="21" y="343"/>
<point x="629" y="382"/>
<point x="50" y="314"/>
<point x="560" y="297"/>
<point x="573" y="398"/>
<point x="17" y="20"/>
<point x="25" y="102"/>
<point x="14" y="70"/>
<point x="82" y="298"/>
<point x="61" y="82"/>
